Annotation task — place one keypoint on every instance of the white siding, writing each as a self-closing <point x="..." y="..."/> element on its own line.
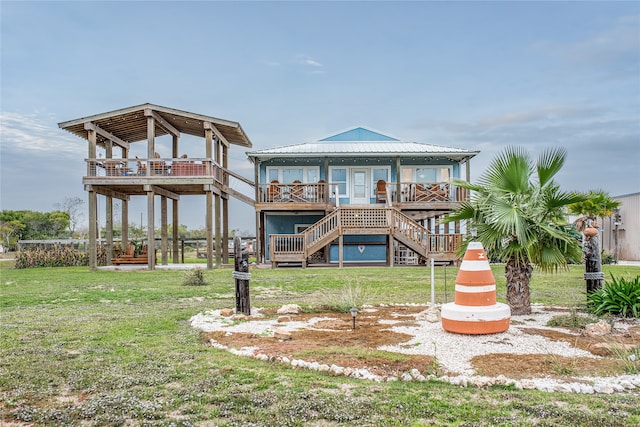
<point x="628" y="231"/>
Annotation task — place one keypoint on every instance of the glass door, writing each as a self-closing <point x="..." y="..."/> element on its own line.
<point x="359" y="190"/>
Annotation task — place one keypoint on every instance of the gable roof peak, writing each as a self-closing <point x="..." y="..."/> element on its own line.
<point x="359" y="133"/>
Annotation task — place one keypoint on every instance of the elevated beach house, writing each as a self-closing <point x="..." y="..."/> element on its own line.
<point x="359" y="196"/>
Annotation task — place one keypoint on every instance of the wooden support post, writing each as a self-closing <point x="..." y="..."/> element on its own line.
<point x="218" y="241"/>
<point x="209" y="223"/>
<point x="257" y="250"/>
<point x="225" y="206"/>
<point x="174" y="231"/>
<point x="327" y="190"/>
<point x="93" y="207"/>
<point x="93" y="230"/>
<point x="151" y="246"/>
<point x="341" y="251"/>
<point x="163" y="229"/>
<point x="151" y="147"/>
<point x="109" y="228"/>
<point x="468" y="171"/>
<point x="124" y="240"/>
<point x="225" y="231"/>
<point x="398" y="179"/>
<point x="241" y="275"/>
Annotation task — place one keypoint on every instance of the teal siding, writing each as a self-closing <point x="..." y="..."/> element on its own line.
<point x="373" y="249"/>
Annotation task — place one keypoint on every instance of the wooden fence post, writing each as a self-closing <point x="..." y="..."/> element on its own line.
<point x="241" y="275"/>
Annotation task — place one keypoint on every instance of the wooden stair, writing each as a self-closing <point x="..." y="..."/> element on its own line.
<point x="350" y="220"/>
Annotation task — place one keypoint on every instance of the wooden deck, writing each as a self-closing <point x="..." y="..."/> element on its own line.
<point x="322" y="196"/>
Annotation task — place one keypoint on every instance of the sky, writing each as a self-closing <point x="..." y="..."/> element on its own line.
<point x="475" y="75"/>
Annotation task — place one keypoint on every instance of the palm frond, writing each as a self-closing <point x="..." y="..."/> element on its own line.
<point x="509" y="172"/>
<point x="549" y="164"/>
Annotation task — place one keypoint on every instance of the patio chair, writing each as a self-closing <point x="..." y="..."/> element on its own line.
<point x="273" y="191"/>
<point x="381" y="191"/>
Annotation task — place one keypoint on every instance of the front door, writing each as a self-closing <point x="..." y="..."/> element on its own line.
<point x="359" y="187"/>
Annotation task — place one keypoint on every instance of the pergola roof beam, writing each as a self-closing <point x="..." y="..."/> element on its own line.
<point x="209" y="125"/>
<point x="106" y="134"/>
<point x="162" y="122"/>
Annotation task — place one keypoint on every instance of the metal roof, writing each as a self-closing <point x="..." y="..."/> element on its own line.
<point x="362" y="148"/>
<point x="130" y="124"/>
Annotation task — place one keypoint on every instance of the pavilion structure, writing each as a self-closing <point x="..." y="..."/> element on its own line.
<point x="117" y="175"/>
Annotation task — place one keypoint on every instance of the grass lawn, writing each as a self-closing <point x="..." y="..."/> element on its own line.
<point x="115" y="348"/>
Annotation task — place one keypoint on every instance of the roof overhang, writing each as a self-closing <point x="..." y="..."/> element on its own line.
<point x="129" y="125"/>
<point x="364" y="150"/>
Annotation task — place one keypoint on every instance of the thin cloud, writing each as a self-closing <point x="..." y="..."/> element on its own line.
<point x="37" y="133"/>
<point x="309" y="61"/>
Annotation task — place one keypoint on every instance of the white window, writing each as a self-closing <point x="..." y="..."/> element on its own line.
<point x="379" y="174"/>
<point x="272" y="174"/>
<point x="426" y="174"/>
<point x="286" y="174"/>
<point x="339" y="176"/>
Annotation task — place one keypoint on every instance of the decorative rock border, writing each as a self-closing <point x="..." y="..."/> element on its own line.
<point x="599" y="385"/>
<point x="584" y="385"/>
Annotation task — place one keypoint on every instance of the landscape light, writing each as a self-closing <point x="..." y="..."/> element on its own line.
<point x="354" y="313"/>
<point x="474" y="232"/>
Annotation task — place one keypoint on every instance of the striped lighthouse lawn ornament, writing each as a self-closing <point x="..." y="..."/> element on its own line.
<point x="475" y="310"/>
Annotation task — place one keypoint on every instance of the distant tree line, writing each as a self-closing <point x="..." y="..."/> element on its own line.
<point x="31" y="225"/>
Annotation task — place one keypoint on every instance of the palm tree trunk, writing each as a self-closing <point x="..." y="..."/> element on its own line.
<point x="518" y="277"/>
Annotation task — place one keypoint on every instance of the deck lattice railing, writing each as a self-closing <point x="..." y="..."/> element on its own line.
<point x="419" y="192"/>
<point x="296" y="192"/>
<point x="364" y="218"/>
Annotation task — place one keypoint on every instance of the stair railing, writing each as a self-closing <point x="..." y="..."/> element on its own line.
<point x="413" y="231"/>
<point x="318" y="232"/>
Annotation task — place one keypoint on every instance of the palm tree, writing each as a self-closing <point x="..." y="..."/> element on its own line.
<point x="519" y="213"/>
<point x="598" y="204"/>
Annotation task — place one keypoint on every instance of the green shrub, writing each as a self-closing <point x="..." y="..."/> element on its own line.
<point x="58" y="256"/>
<point x="620" y="296"/>
<point x="607" y="258"/>
<point x="571" y="321"/>
<point x="351" y="295"/>
<point x="195" y="277"/>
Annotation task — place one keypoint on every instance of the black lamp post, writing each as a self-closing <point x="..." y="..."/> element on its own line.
<point x="354" y="313"/>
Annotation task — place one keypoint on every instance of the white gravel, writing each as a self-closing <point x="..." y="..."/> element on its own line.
<point x="453" y="351"/>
